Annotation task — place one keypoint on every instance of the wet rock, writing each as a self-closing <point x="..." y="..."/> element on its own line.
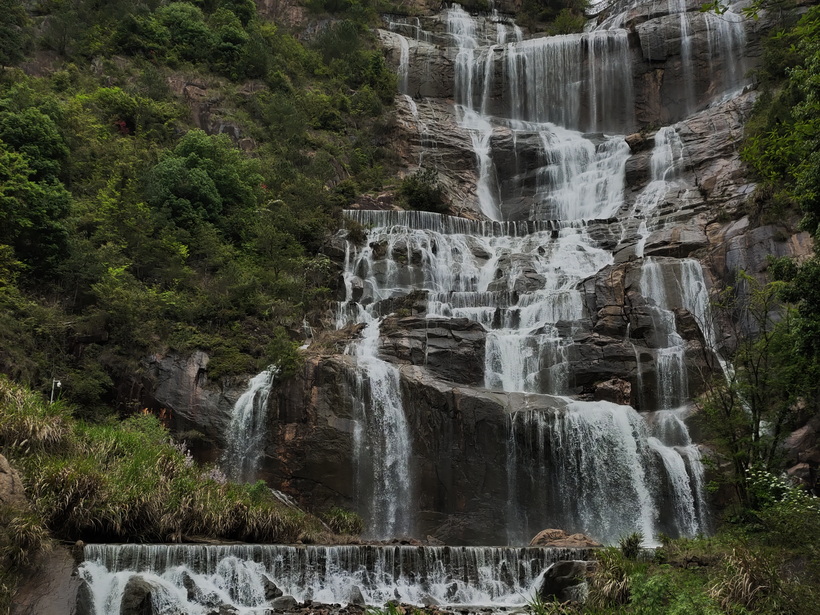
<point x="136" y="597"/>
<point x="190" y="587"/>
<point x="284" y="603"/>
<point x="453" y="349"/>
<point x="85" y="599"/>
<point x="180" y="385"/>
<point x="616" y="390"/>
<point x="565" y="581"/>
<point x="355" y="596"/>
<point x="638" y="142"/>
<point x="559" y="538"/>
<point x="271" y="590"/>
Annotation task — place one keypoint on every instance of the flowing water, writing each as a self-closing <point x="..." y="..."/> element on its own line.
<point x="245" y="441"/>
<point x="191" y="579"/>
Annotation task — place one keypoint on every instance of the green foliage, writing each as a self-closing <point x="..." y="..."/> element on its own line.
<point x="14" y="32"/>
<point x="204" y="179"/>
<point x="125" y="230"/>
<point x="610" y="586"/>
<point x="421" y="190"/>
<point x="783" y="142"/>
<point x="567" y="22"/>
<point x="539" y="606"/>
<point x="559" y="16"/>
<point x="91" y="482"/>
<point x="630" y="545"/>
<point x="31" y="214"/>
<point x="747" y="415"/>
<point x="343" y="521"/>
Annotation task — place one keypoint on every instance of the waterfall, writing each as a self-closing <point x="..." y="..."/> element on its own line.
<point x="192" y="578"/>
<point x="381" y="442"/>
<point x="545" y="119"/>
<point x="611" y="484"/>
<point x="589" y="76"/>
<point x="245" y="440"/>
<point x="667" y="164"/>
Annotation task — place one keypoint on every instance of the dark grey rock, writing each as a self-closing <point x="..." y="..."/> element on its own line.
<point x="284" y="603"/>
<point x="136" y="597"/>
<point x="85" y="599"/>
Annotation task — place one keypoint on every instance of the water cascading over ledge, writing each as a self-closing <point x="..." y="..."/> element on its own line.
<point x="197" y="578"/>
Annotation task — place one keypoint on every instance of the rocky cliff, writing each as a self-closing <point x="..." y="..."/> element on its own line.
<point x="678" y="234"/>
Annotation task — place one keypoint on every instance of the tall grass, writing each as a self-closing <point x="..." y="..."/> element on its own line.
<point x="128" y="482"/>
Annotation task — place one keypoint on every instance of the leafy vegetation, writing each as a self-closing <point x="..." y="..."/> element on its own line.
<point x="124" y="482"/>
<point x="422" y="190"/>
<point x="558" y="16"/>
<point x="169" y="172"/>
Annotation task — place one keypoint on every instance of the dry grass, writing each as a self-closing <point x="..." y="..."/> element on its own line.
<point x="748" y="580"/>
<point x="27" y="424"/>
<point x="609" y="585"/>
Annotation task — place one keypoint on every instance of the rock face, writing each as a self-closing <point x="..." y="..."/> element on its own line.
<point x="566" y="581"/>
<point x="180" y="385"/>
<point x="11" y="487"/>
<point x="52" y="587"/>
<point x="560" y="539"/>
<point x="803" y="454"/>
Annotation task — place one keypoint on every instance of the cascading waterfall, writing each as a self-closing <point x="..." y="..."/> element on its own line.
<point x="667" y="164"/>
<point x="245" y="441"/>
<point x="381" y="441"/>
<point x="191" y="578"/>
<point x="522" y="281"/>
<point x="595" y="467"/>
<point x="381" y="436"/>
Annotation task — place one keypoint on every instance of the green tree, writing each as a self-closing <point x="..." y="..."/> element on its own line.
<point x="31" y="214"/>
<point x="34" y="134"/>
<point x="191" y="38"/>
<point x="205" y="179"/>
<point x="14" y="32"/>
<point x="749" y="410"/>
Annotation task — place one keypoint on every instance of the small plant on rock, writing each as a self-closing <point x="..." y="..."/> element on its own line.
<point x="630" y="545"/>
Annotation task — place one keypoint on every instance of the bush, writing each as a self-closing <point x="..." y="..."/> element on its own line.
<point x="630" y="545"/>
<point x="343" y="521"/>
<point x="422" y="190"/>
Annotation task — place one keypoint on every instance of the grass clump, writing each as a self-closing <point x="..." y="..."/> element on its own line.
<point x="127" y="482"/>
<point x="343" y="521"/>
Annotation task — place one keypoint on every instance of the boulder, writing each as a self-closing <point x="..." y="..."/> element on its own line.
<point x="11" y="487"/>
<point x="271" y="590"/>
<point x="85" y="600"/>
<point x="136" y="597"/>
<point x="560" y="539"/>
<point x="355" y="596"/>
<point x="566" y="581"/>
<point x="616" y="390"/>
<point x="284" y="603"/>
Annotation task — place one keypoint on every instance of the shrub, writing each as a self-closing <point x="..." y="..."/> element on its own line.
<point x="422" y="190"/>
<point x="343" y="521"/>
<point x="610" y="584"/>
<point x="630" y="545"/>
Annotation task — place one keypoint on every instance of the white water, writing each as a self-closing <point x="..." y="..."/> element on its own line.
<point x="237" y="574"/>
<point x="667" y="165"/>
<point x="381" y="442"/>
<point x="613" y="452"/>
<point x="245" y="440"/>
